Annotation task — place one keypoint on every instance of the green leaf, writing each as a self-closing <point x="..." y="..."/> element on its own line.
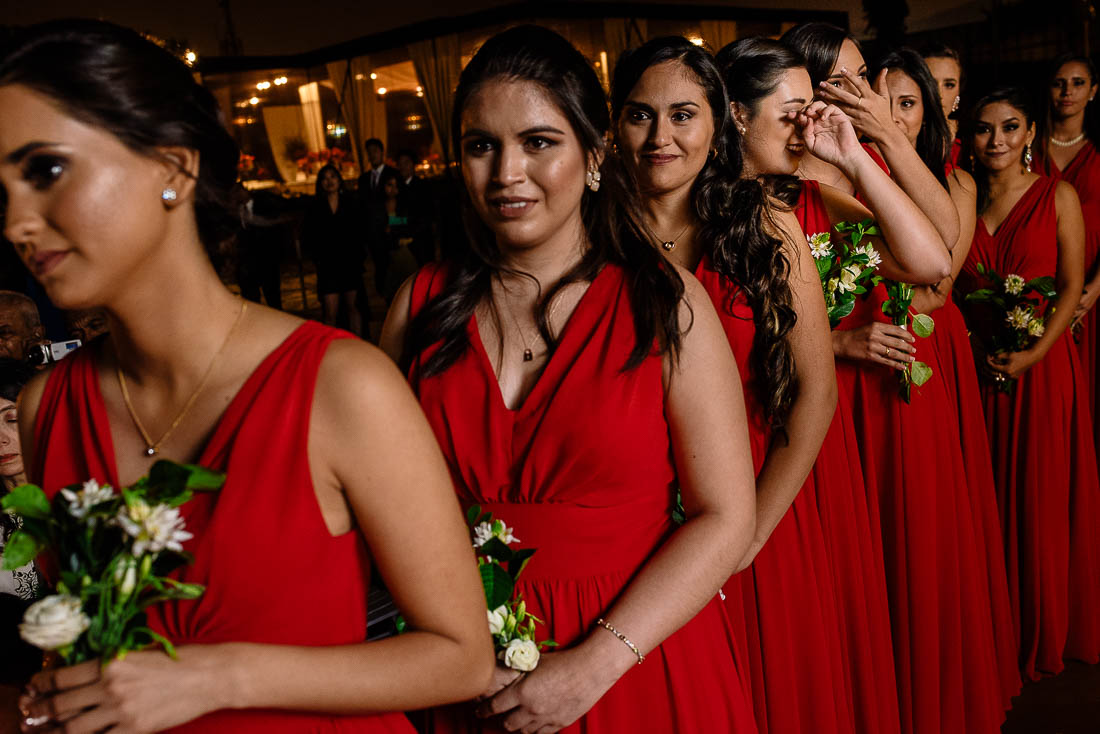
<point x="980" y="295"/>
<point x="497" y="584"/>
<point x="21" y="549"/>
<point x="920" y="373"/>
<point x="27" y="500"/>
<point x="842" y="309"/>
<point x="497" y="549"/>
<point x="519" y="561"/>
<point x="923" y="325"/>
<point x="1043" y="285"/>
<point x="201" y="479"/>
<point x="471" y="515"/>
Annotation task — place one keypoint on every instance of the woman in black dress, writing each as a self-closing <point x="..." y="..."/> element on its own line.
<point x="332" y="233"/>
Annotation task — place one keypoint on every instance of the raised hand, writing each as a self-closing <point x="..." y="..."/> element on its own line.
<point x="829" y="134"/>
<point x="867" y="107"/>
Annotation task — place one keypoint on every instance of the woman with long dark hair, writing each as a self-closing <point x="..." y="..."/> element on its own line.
<point x="671" y="113"/>
<point x="1069" y="146"/>
<point x="575" y="379"/>
<point x="332" y="233"/>
<point x="914" y="100"/>
<point x="946" y="68"/>
<point x="116" y="169"/>
<point x="1040" y="431"/>
<point x="928" y="599"/>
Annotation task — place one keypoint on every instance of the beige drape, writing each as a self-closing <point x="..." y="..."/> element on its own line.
<point x="620" y="34"/>
<point x="310" y="95"/>
<point x="282" y="124"/>
<point x="364" y="113"/>
<point x="343" y="84"/>
<point x="718" y="33"/>
<point x="438" y="66"/>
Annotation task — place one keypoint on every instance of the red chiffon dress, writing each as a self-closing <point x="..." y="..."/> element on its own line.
<point x="937" y="577"/>
<point x="1044" y="462"/>
<point x="787" y="599"/>
<point x="583" y="472"/>
<point x="1083" y="172"/>
<point x="853" y="541"/>
<point x="241" y="550"/>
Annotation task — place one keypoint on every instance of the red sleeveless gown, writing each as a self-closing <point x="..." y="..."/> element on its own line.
<point x="787" y="598"/>
<point x="1044" y="461"/>
<point x="945" y="653"/>
<point x="1083" y="172"/>
<point x="241" y="552"/>
<point x="583" y="471"/>
<point x="850" y="519"/>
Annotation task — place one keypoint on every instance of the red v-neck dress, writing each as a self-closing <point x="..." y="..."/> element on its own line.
<point x="263" y="530"/>
<point x="945" y="652"/>
<point x="1083" y="173"/>
<point x="583" y="472"/>
<point x="1044" y="461"/>
<point x="850" y="519"/>
<point x="787" y="597"/>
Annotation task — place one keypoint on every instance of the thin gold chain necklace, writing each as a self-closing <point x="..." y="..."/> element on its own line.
<point x="528" y="354"/>
<point x="153" y="447"/>
<point x="670" y="245"/>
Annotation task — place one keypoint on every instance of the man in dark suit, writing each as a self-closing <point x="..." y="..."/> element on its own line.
<point x="369" y="180"/>
<point x="369" y="191"/>
<point x="419" y="207"/>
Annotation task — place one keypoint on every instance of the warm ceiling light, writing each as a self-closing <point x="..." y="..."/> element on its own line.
<point x="373" y="75"/>
<point x="381" y="90"/>
<point x="191" y="57"/>
<point x="263" y="85"/>
<point x="280" y="80"/>
<point x="419" y="88"/>
<point x="696" y="40"/>
<point x="254" y="100"/>
<point x="359" y="77"/>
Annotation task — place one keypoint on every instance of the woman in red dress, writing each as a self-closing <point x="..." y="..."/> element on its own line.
<point x="570" y="397"/>
<point x="1040" y="433"/>
<point x="936" y="567"/>
<point x="914" y="103"/>
<point x="670" y="112"/>
<point x="116" y="167"/>
<point x="770" y="87"/>
<point x="1068" y="148"/>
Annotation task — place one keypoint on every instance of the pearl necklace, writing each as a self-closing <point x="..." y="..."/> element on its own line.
<point x="1067" y="143"/>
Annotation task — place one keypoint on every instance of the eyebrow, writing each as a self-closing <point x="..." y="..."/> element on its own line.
<point x="21" y="152"/>
<point x="674" y="105"/>
<point x="478" y="133"/>
<point x="795" y="100"/>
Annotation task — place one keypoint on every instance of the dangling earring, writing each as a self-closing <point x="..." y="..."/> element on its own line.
<point x="169" y="194"/>
<point x="955" y="104"/>
<point x="592" y="179"/>
<point x="742" y="129"/>
<point x="1027" y="158"/>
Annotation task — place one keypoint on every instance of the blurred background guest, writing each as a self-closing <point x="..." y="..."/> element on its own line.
<point x="417" y="196"/>
<point x="260" y="245"/>
<point x="20" y="326"/>
<point x="391" y="226"/>
<point x="370" y="181"/>
<point x="86" y="324"/>
<point x="331" y="235"/>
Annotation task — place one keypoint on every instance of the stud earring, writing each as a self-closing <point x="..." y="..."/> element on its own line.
<point x="592" y="179"/>
<point x="1027" y="157"/>
<point x="169" y="194"/>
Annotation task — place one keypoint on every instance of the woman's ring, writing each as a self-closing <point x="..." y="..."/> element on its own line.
<point x="888" y="351"/>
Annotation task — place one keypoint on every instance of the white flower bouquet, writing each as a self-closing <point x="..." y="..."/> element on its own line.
<point x="510" y="624"/>
<point x="846" y="268"/>
<point x="112" y="553"/>
<point x="1018" y="309"/>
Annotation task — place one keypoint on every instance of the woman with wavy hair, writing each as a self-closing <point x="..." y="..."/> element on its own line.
<point x="671" y="113"/>
<point x="116" y="168"/>
<point x="575" y="380"/>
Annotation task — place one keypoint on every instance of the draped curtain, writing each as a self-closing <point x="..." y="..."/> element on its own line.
<point x="343" y="84"/>
<point x="438" y="66"/>
<point x="364" y="113"/>
<point x="284" y="123"/>
<point x="718" y="33"/>
<point x="310" y="95"/>
<point x="620" y="34"/>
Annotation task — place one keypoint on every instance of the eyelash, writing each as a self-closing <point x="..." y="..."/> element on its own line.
<point x="43" y="170"/>
<point x="483" y="147"/>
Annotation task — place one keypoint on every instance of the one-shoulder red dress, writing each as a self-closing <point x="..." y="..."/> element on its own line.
<point x="787" y="598"/>
<point x="1044" y="461"/>
<point x="1083" y="172"/>
<point x="853" y="540"/>
<point x="241" y="544"/>
<point x="941" y="613"/>
<point x="583" y="472"/>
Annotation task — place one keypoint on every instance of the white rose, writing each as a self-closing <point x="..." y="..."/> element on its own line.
<point x="54" y="622"/>
<point x="848" y="278"/>
<point x="497" y="617"/>
<point x="521" y="655"/>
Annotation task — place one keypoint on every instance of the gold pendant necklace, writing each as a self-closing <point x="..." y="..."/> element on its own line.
<point x="152" y="448"/>
<point x="670" y="245"/>
<point x="528" y="354"/>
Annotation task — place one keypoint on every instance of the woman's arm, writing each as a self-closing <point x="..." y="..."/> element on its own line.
<point x="964" y="194"/>
<point x="871" y="116"/>
<point x="1069" y="278"/>
<point x="392" y="339"/>
<point x="910" y="246"/>
<point x="788" y="463"/>
<point x="370" y="445"/>
<point x="706" y="416"/>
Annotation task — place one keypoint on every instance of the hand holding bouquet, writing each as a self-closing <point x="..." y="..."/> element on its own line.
<point x="846" y="268"/>
<point x="1019" y="308"/>
<point x="113" y="552"/>
<point x="898" y="308"/>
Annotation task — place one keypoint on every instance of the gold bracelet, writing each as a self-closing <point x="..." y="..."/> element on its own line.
<point x="633" y="648"/>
